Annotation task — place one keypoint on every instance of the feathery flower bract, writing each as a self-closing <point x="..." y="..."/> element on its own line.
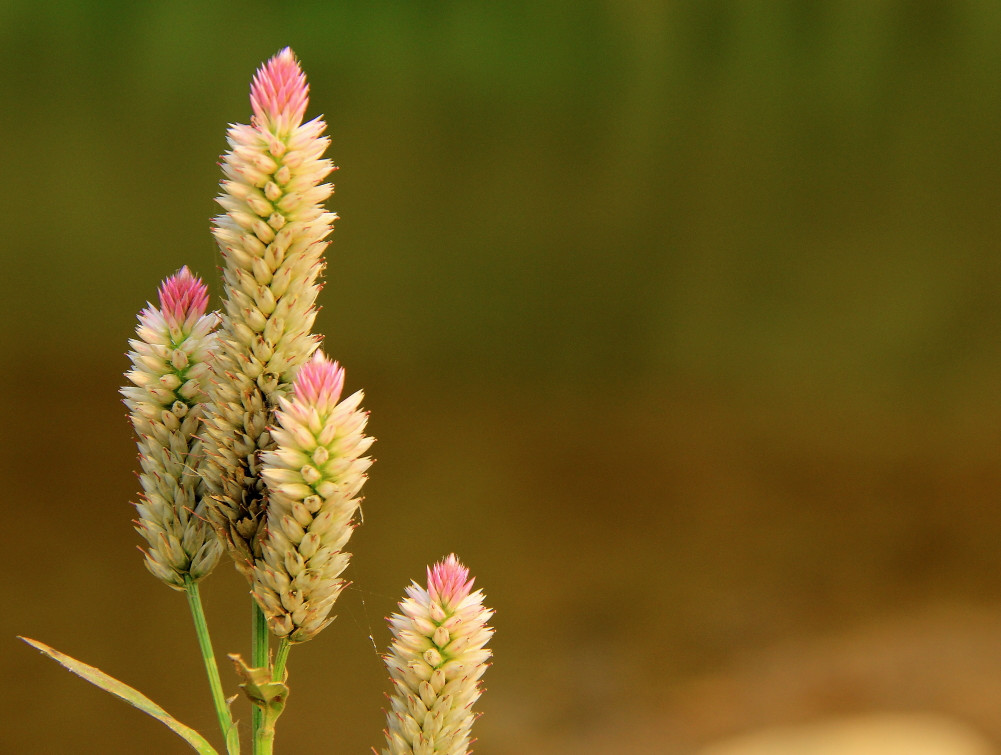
<point x="166" y="401"/>
<point x="436" y="660"/>
<point x="313" y="477"/>
<point x="272" y="237"/>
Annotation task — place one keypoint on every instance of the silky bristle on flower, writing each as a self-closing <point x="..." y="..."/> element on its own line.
<point x="436" y="660"/>
<point x="314" y="476"/>
<point x="166" y="399"/>
<point x="272" y="236"/>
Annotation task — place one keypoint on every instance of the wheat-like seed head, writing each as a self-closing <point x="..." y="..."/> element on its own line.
<point x="436" y="660"/>
<point x="166" y="400"/>
<point x="313" y="476"/>
<point x="271" y="237"/>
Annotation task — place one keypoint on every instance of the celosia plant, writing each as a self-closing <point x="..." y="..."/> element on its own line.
<point x="436" y="661"/>
<point x="313" y="478"/>
<point x="166" y="401"/>
<point x="246" y="446"/>
<point x="271" y="237"/>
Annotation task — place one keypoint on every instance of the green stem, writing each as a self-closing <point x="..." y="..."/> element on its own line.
<point x="259" y="659"/>
<point x="280" y="659"/>
<point x="265" y="740"/>
<point x="229" y="731"/>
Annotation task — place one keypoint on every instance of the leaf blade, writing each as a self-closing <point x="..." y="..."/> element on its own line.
<point x="124" y="692"/>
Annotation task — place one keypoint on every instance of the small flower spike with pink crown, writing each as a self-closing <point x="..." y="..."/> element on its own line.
<point x="314" y="477"/>
<point x="165" y="401"/>
<point x="436" y="660"/>
<point x="272" y="238"/>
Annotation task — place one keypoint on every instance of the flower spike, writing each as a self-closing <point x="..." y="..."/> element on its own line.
<point x="314" y="477"/>
<point x="166" y="401"/>
<point x="272" y="237"/>
<point x="436" y="661"/>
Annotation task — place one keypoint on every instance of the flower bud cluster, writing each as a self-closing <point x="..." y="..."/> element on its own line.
<point x="313" y="476"/>
<point x="272" y="237"/>
<point x="166" y="401"/>
<point x="436" y="660"/>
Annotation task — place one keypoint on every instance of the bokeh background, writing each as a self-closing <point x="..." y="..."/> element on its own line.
<point x="678" y="321"/>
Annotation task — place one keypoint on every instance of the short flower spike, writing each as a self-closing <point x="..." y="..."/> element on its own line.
<point x="272" y="237"/>
<point x="436" y="660"/>
<point x="166" y="402"/>
<point x="314" y="477"/>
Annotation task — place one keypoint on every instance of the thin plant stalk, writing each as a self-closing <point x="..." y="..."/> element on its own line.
<point x="265" y="741"/>
<point x="264" y="731"/>
<point x="229" y="731"/>
<point x="280" y="659"/>
<point x="258" y="659"/>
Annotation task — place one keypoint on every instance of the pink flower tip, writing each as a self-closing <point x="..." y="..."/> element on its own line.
<point x="448" y="580"/>
<point x="280" y="91"/>
<point x="183" y="295"/>
<point x="319" y="382"/>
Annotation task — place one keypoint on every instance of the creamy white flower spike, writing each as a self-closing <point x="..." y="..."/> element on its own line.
<point x="165" y="401"/>
<point x="272" y="237"/>
<point x="436" y="660"/>
<point x="313" y="477"/>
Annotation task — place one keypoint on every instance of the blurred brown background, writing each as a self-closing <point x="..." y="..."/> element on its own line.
<point x="678" y="322"/>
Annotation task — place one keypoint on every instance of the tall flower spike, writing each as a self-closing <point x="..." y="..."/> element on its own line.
<point x="272" y="237"/>
<point x="436" y="660"/>
<point x="168" y="376"/>
<point x="313" y="477"/>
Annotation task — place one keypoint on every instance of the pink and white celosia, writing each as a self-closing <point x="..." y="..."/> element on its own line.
<point x="313" y="477"/>
<point x="272" y="237"/>
<point x="436" y="660"/>
<point x="166" y="401"/>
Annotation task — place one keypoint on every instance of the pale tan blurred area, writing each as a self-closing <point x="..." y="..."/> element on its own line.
<point x="679" y="322"/>
<point x="895" y="734"/>
<point x="925" y="683"/>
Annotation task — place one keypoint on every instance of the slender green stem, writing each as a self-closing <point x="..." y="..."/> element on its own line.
<point x="282" y="656"/>
<point x="211" y="669"/>
<point x="265" y="740"/>
<point x="258" y="659"/>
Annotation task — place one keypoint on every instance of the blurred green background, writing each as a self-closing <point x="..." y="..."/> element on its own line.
<point x="679" y="322"/>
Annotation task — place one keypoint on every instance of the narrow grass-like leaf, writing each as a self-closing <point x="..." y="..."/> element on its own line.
<point x="128" y="694"/>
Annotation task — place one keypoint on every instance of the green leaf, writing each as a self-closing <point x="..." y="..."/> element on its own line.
<point x="126" y="693"/>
